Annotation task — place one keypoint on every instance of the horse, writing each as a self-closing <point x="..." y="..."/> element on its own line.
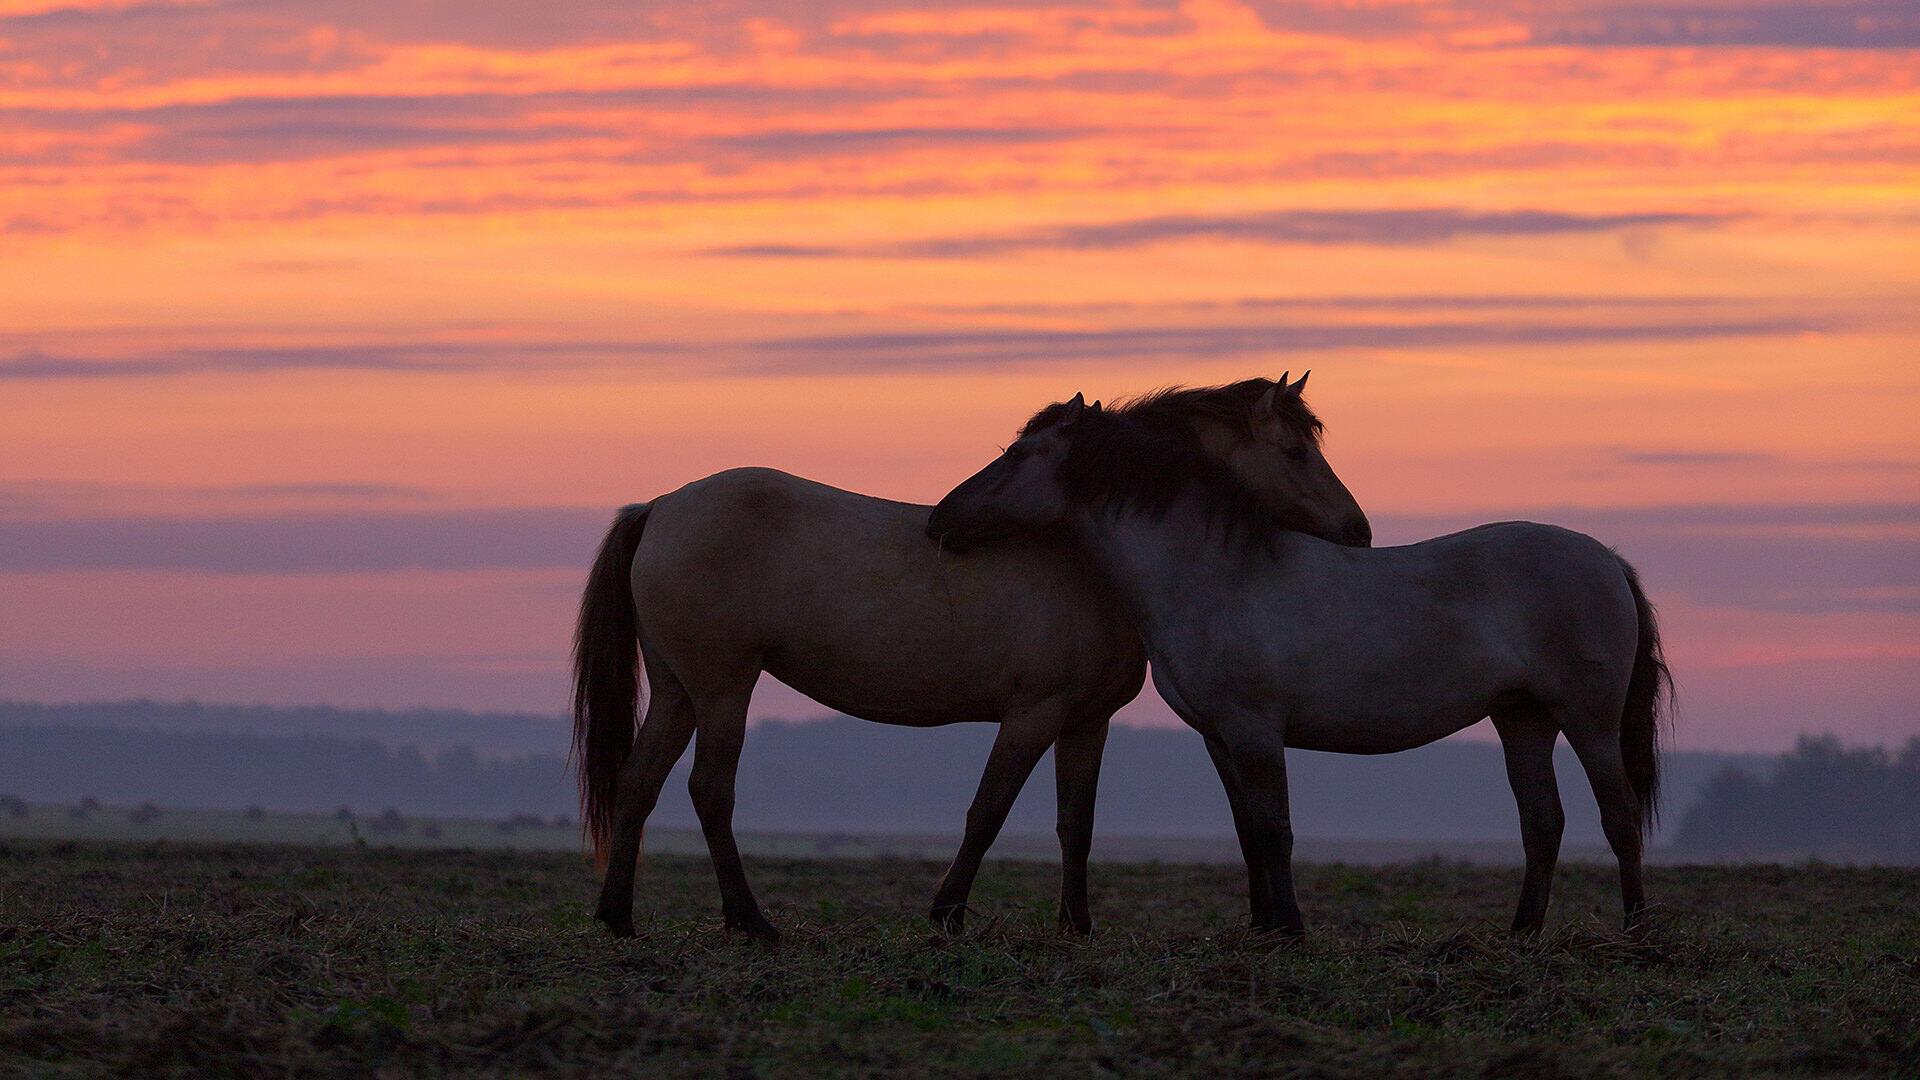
<point x="1263" y="638"/>
<point x="843" y="597"/>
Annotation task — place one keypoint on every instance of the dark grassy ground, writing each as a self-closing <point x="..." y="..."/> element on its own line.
<point x="303" y="961"/>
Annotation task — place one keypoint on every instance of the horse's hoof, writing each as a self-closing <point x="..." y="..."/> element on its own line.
<point x="950" y="918"/>
<point x="1276" y="937"/>
<point x="1076" y="927"/>
<point x="617" y="926"/>
<point x="758" y="931"/>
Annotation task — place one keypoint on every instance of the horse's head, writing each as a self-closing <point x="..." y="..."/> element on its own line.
<point x="1020" y="492"/>
<point x="1273" y="450"/>
<point x="1260" y="433"/>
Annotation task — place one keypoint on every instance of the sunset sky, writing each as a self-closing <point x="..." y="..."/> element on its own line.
<point x="332" y="331"/>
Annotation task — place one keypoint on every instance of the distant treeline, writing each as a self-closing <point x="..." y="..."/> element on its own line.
<point x="826" y="776"/>
<point x="431" y="730"/>
<point x="1821" y="800"/>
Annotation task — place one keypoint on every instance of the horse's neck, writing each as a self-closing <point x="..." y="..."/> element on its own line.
<point x="1168" y="568"/>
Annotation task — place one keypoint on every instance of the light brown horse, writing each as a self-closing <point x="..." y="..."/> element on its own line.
<point x="844" y="598"/>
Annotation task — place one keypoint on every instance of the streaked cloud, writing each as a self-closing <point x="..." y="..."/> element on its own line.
<point x="1758" y="557"/>
<point x="1347" y="302"/>
<point x="307" y="543"/>
<point x="1786" y="24"/>
<point x="1692" y="457"/>
<point x="989" y="348"/>
<point x="1799" y="24"/>
<point x="446" y="357"/>
<point x="1414" y="226"/>
<point x="1682" y="517"/>
<point x="841" y="353"/>
<point x="839" y="141"/>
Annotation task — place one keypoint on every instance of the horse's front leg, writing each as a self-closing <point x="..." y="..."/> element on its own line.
<point x="1259" y="889"/>
<point x="1024" y="736"/>
<point x="1259" y="758"/>
<point x="1076" y="761"/>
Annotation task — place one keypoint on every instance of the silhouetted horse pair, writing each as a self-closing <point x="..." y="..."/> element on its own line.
<point x="1201" y="529"/>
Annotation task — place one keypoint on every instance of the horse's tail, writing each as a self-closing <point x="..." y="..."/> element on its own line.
<point x="1649" y="697"/>
<point x="606" y="675"/>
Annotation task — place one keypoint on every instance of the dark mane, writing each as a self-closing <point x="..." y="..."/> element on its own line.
<point x="1143" y="454"/>
<point x="1146" y="461"/>
<point x="1231" y="404"/>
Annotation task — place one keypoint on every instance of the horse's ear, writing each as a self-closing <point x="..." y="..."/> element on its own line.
<point x="1074" y="409"/>
<point x="1296" y="388"/>
<point x="1270" y="401"/>
<point x="1095" y="407"/>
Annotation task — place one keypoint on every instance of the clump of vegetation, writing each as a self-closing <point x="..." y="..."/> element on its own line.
<point x="343" y="814"/>
<point x="143" y="814"/>
<point x="522" y="821"/>
<point x="1822" y="800"/>
<point x="390" y="822"/>
<point x="14" y="806"/>
<point x="256" y="812"/>
<point x="381" y="961"/>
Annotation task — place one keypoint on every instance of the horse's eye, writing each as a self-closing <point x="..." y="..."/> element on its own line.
<point x="1016" y="451"/>
<point x="1297" y="453"/>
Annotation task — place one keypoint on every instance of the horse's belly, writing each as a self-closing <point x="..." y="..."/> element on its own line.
<point x="933" y="671"/>
<point x="1359" y="733"/>
<point x="891" y="681"/>
<point x="1374" y="697"/>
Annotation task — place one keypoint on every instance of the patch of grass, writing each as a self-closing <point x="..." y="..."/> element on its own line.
<point x="173" y="959"/>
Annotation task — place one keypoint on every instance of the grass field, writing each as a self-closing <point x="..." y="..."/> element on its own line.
<point x="161" y="958"/>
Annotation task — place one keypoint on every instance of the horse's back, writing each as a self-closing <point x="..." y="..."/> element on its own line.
<point x="1547" y="591"/>
<point x="844" y="597"/>
<point x="1542" y="561"/>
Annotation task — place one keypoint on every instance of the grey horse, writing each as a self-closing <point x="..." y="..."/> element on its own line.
<point x="1262" y="637"/>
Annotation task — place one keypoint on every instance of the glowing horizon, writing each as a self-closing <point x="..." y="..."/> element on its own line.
<point x="299" y="298"/>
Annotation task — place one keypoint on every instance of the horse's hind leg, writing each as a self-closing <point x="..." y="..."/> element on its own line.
<point x="1076" y="761"/>
<point x="1527" y="736"/>
<point x="1024" y="736"/>
<point x="1598" y="746"/>
<point x="661" y="741"/>
<point x="722" y="720"/>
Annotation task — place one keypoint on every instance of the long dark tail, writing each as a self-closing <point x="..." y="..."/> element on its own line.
<point x="606" y="675"/>
<point x="1649" y="699"/>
